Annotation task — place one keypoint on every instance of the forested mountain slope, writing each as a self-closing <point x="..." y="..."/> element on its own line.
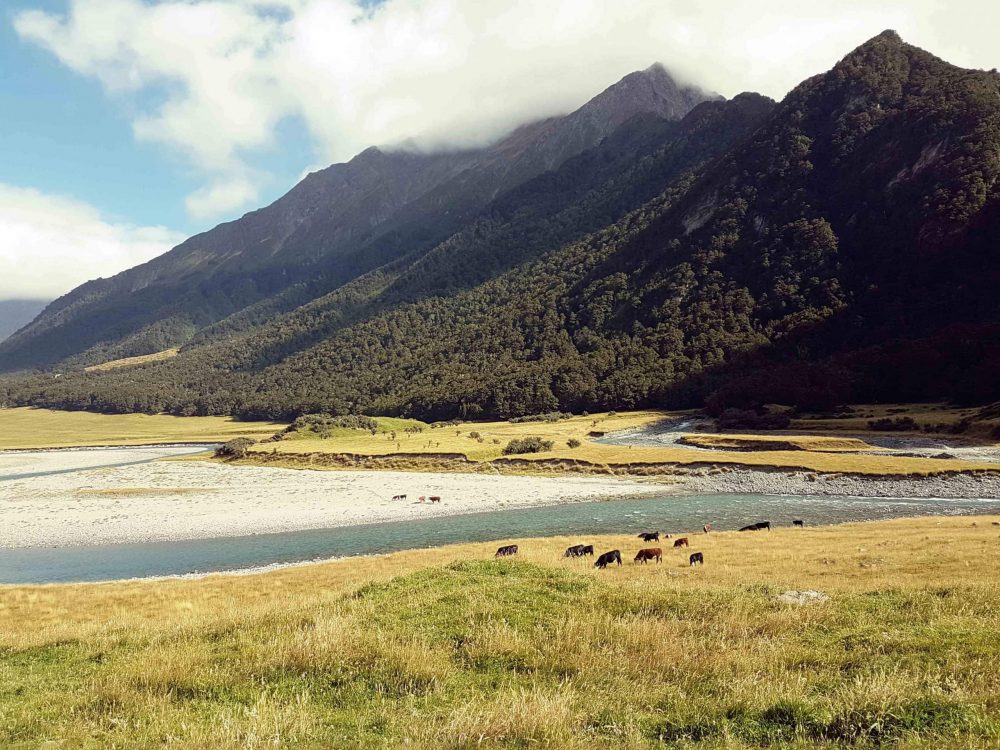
<point x="333" y="226"/>
<point x="840" y="245"/>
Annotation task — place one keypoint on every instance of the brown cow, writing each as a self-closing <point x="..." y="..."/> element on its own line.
<point x="682" y="542"/>
<point x="434" y="499"/>
<point x="653" y="553"/>
<point x="510" y="549"/>
<point x="706" y="528"/>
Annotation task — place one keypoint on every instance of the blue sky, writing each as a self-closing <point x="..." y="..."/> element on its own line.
<point x="127" y="125"/>
<point x="60" y="133"/>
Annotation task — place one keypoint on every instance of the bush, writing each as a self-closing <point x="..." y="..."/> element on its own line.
<point x="475" y="435"/>
<point x="573" y="443"/>
<point x="527" y="445"/>
<point x="899" y="424"/>
<point x="748" y="419"/>
<point x="236" y="448"/>
<point x="321" y="424"/>
<point x="552" y="416"/>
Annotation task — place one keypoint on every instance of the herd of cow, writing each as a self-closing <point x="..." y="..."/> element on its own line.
<point x="644" y="555"/>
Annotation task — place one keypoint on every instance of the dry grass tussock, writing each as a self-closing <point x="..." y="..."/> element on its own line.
<point x="449" y="648"/>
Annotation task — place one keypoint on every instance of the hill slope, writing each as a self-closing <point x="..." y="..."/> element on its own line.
<point x="839" y="246"/>
<point x="333" y="226"/>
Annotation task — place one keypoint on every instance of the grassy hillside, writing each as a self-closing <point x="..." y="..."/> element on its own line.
<point x="43" y="428"/>
<point x="448" y="648"/>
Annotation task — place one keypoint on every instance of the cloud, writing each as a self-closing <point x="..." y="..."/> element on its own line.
<point x="51" y="244"/>
<point x="224" y="73"/>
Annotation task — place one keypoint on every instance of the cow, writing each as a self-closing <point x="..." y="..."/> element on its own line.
<point x="575" y="551"/>
<point x="644" y="555"/>
<point x="434" y="498"/>
<point x="706" y="528"/>
<point x="510" y="549"/>
<point x="399" y="497"/>
<point x="751" y="527"/>
<point x="607" y="558"/>
<point x="763" y="525"/>
<point x="650" y="536"/>
<point x="588" y="549"/>
<point x="797" y="522"/>
<point x="696" y="558"/>
<point x="682" y="542"/>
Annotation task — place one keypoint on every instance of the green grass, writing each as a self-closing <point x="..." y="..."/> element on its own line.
<point x="449" y="648"/>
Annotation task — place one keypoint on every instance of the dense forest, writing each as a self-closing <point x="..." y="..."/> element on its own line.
<point x="838" y="246"/>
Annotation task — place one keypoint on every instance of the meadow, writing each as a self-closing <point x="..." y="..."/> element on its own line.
<point x="410" y="444"/>
<point x="449" y="648"/>
<point x="25" y="428"/>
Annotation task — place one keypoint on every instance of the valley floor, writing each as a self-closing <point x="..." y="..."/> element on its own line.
<point x="447" y="648"/>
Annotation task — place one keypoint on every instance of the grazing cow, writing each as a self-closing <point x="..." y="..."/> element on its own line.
<point x="607" y="558"/>
<point x="399" y="497"/>
<point x="706" y="528"/>
<point x="510" y="549"/>
<point x="575" y="551"/>
<point x="682" y="542"/>
<point x="588" y="549"/>
<point x="650" y="536"/>
<point x="797" y="522"/>
<point x="696" y="557"/>
<point x="653" y="553"/>
<point x="434" y="499"/>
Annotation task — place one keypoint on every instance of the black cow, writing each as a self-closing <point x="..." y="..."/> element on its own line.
<point x="650" y="536"/>
<point x="751" y="527"/>
<point x="607" y="558"/>
<point x="575" y="551"/>
<point x="763" y="525"/>
<point x="797" y="522"/>
<point x="510" y="549"/>
<point x="696" y="558"/>
<point x="588" y="549"/>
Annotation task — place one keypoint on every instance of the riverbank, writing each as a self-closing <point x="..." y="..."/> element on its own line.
<point x="428" y="648"/>
<point x="53" y="500"/>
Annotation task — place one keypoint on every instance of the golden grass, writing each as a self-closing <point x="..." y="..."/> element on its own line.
<point x="811" y="453"/>
<point x="430" y="648"/>
<point x="142" y="359"/>
<point x="817" y="443"/>
<point x="44" y="428"/>
<point x="931" y="414"/>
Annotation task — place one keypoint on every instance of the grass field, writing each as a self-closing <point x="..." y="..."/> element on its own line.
<point x="447" y="648"/>
<point x="815" y="443"/>
<point x="44" y="428"/>
<point x="484" y="441"/>
<point x="143" y="359"/>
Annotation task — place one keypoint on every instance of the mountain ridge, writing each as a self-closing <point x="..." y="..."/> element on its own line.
<point x="837" y="246"/>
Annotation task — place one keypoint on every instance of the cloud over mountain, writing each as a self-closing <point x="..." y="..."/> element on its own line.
<point x="213" y="79"/>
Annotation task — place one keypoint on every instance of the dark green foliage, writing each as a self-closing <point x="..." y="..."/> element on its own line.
<point x="888" y="424"/>
<point x="236" y="448"/>
<point x="747" y="419"/>
<point x="527" y="445"/>
<point x="573" y="443"/>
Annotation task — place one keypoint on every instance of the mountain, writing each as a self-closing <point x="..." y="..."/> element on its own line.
<point x="838" y="246"/>
<point x="332" y="227"/>
<point x="17" y="313"/>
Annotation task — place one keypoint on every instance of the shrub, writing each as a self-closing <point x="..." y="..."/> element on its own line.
<point x="475" y="435"/>
<point x="322" y="424"/>
<point x="573" y="443"/>
<point x="748" y="419"/>
<point x="527" y="445"/>
<point x="236" y="448"/>
<point x="899" y="424"/>
<point x="552" y="416"/>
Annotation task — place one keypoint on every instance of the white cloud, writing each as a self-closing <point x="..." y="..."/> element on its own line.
<point x="446" y="71"/>
<point x="51" y="244"/>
